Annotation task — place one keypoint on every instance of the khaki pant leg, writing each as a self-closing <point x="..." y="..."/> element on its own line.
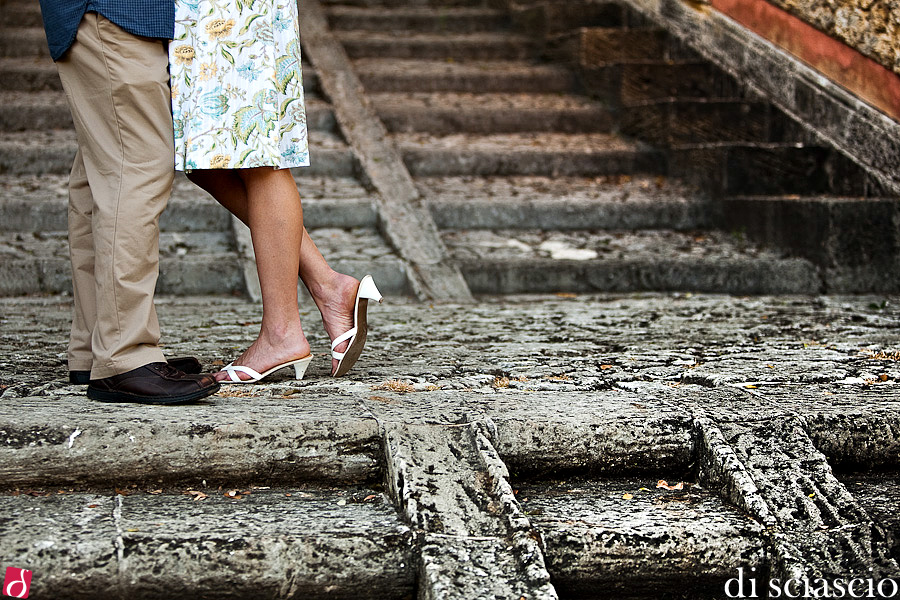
<point x="117" y="85"/>
<point x="81" y="254"/>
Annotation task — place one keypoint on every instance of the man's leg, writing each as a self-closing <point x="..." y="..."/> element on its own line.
<point x="118" y="91"/>
<point x="81" y="254"/>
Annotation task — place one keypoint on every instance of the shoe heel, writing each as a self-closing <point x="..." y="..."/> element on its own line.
<point x="300" y="367"/>
<point x="368" y="289"/>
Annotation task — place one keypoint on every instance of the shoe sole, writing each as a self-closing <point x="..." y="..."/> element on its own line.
<point x="121" y="397"/>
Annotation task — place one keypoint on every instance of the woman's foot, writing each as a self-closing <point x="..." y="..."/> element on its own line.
<point x="271" y="348"/>
<point x="335" y="300"/>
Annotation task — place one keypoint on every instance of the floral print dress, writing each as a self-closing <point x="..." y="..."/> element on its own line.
<point x="237" y="88"/>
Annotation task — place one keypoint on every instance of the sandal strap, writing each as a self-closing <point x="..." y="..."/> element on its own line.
<point x="341" y="338"/>
<point x="233" y="369"/>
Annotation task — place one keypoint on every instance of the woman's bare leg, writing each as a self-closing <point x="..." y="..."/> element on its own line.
<point x="275" y="217"/>
<point x="333" y="292"/>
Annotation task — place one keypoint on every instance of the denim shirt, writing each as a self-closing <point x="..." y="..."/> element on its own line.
<point x="147" y="18"/>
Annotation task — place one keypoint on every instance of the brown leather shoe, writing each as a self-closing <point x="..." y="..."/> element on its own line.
<point x="156" y="383"/>
<point x="185" y="364"/>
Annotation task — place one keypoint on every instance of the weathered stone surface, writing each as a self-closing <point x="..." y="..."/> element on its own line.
<point x="287" y="543"/>
<point x="565" y="203"/>
<point x="778" y="476"/>
<point x="476" y="541"/>
<point x="628" y="538"/>
<point x="82" y="443"/>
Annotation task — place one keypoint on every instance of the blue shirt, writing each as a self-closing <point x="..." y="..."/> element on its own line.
<point x="147" y="18"/>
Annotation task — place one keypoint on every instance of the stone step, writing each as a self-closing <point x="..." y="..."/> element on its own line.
<point x="770" y="169"/>
<point x="21" y="14"/>
<point x="547" y="19"/>
<point x="675" y="121"/>
<point x="462" y="47"/>
<point x="41" y="152"/>
<point x="512" y="77"/>
<point x="542" y="154"/>
<point x="34" y="204"/>
<point x="635" y="81"/>
<point x="195" y="262"/>
<point x="22" y="111"/>
<point x="509" y="262"/>
<point x="565" y="203"/>
<point x="291" y="542"/>
<point x="23" y="42"/>
<point x="450" y="113"/>
<point x="596" y="46"/>
<point x="29" y="74"/>
<point x="439" y="19"/>
<point x="627" y="538"/>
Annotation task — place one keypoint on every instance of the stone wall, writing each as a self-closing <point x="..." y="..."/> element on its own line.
<point x="870" y="26"/>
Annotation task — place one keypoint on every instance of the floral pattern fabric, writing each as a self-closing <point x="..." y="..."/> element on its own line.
<point x="237" y="87"/>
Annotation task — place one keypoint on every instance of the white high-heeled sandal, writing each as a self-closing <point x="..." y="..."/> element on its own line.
<point x="232" y="370"/>
<point x="357" y="334"/>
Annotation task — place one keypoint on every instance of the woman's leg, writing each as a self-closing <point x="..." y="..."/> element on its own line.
<point x="333" y="292"/>
<point x="275" y="217"/>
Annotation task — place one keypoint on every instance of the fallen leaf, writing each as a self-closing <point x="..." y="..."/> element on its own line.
<point x="605" y="367"/>
<point x="196" y="495"/>
<point x="233" y="495"/>
<point x="664" y="485"/>
<point x="627" y="496"/>
<point x="395" y="385"/>
<point x="154" y="492"/>
<point x="370" y="497"/>
<point x="123" y="492"/>
<point x="93" y="505"/>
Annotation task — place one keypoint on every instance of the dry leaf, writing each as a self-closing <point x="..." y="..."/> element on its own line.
<point x="93" y="505"/>
<point x="154" y="492"/>
<point x="233" y="495"/>
<point x="663" y="484"/>
<point x="196" y="495"/>
<point x="395" y="385"/>
<point x="123" y="492"/>
<point x="370" y="497"/>
<point x="627" y="496"/>
<point x="605" y="367"/>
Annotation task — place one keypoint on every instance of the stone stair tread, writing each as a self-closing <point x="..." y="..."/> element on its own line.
<point x="618" y="202"/>
<point x="537" y="153"/>
<point x="320" y="542"/>
<point x="680" y="537"/>
<point x="510" y="76"/>
<point x="512" y="143"/>
<point x="459" y="47"/>
<point x="538" y="261"/>
<point x="398" y="18"/>
<point x="591" y="245"/>
<point x="461" y="101"/>
<point x="55" y="244"/>
<point x="478" y="37"/>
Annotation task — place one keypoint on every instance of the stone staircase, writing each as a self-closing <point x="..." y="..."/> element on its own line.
<point x="556" y="147"/>
<point x="536" y="185"/>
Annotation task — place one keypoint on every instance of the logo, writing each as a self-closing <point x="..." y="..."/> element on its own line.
<point x="17" y="582"/>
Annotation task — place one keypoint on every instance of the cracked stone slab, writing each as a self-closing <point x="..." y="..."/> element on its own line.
<point x="285" y="543"/>
<point x="452" y="487"/>
<point x="772" y="470"/>
<point x="228" y="438"/>
<point x="627" y="537"/>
